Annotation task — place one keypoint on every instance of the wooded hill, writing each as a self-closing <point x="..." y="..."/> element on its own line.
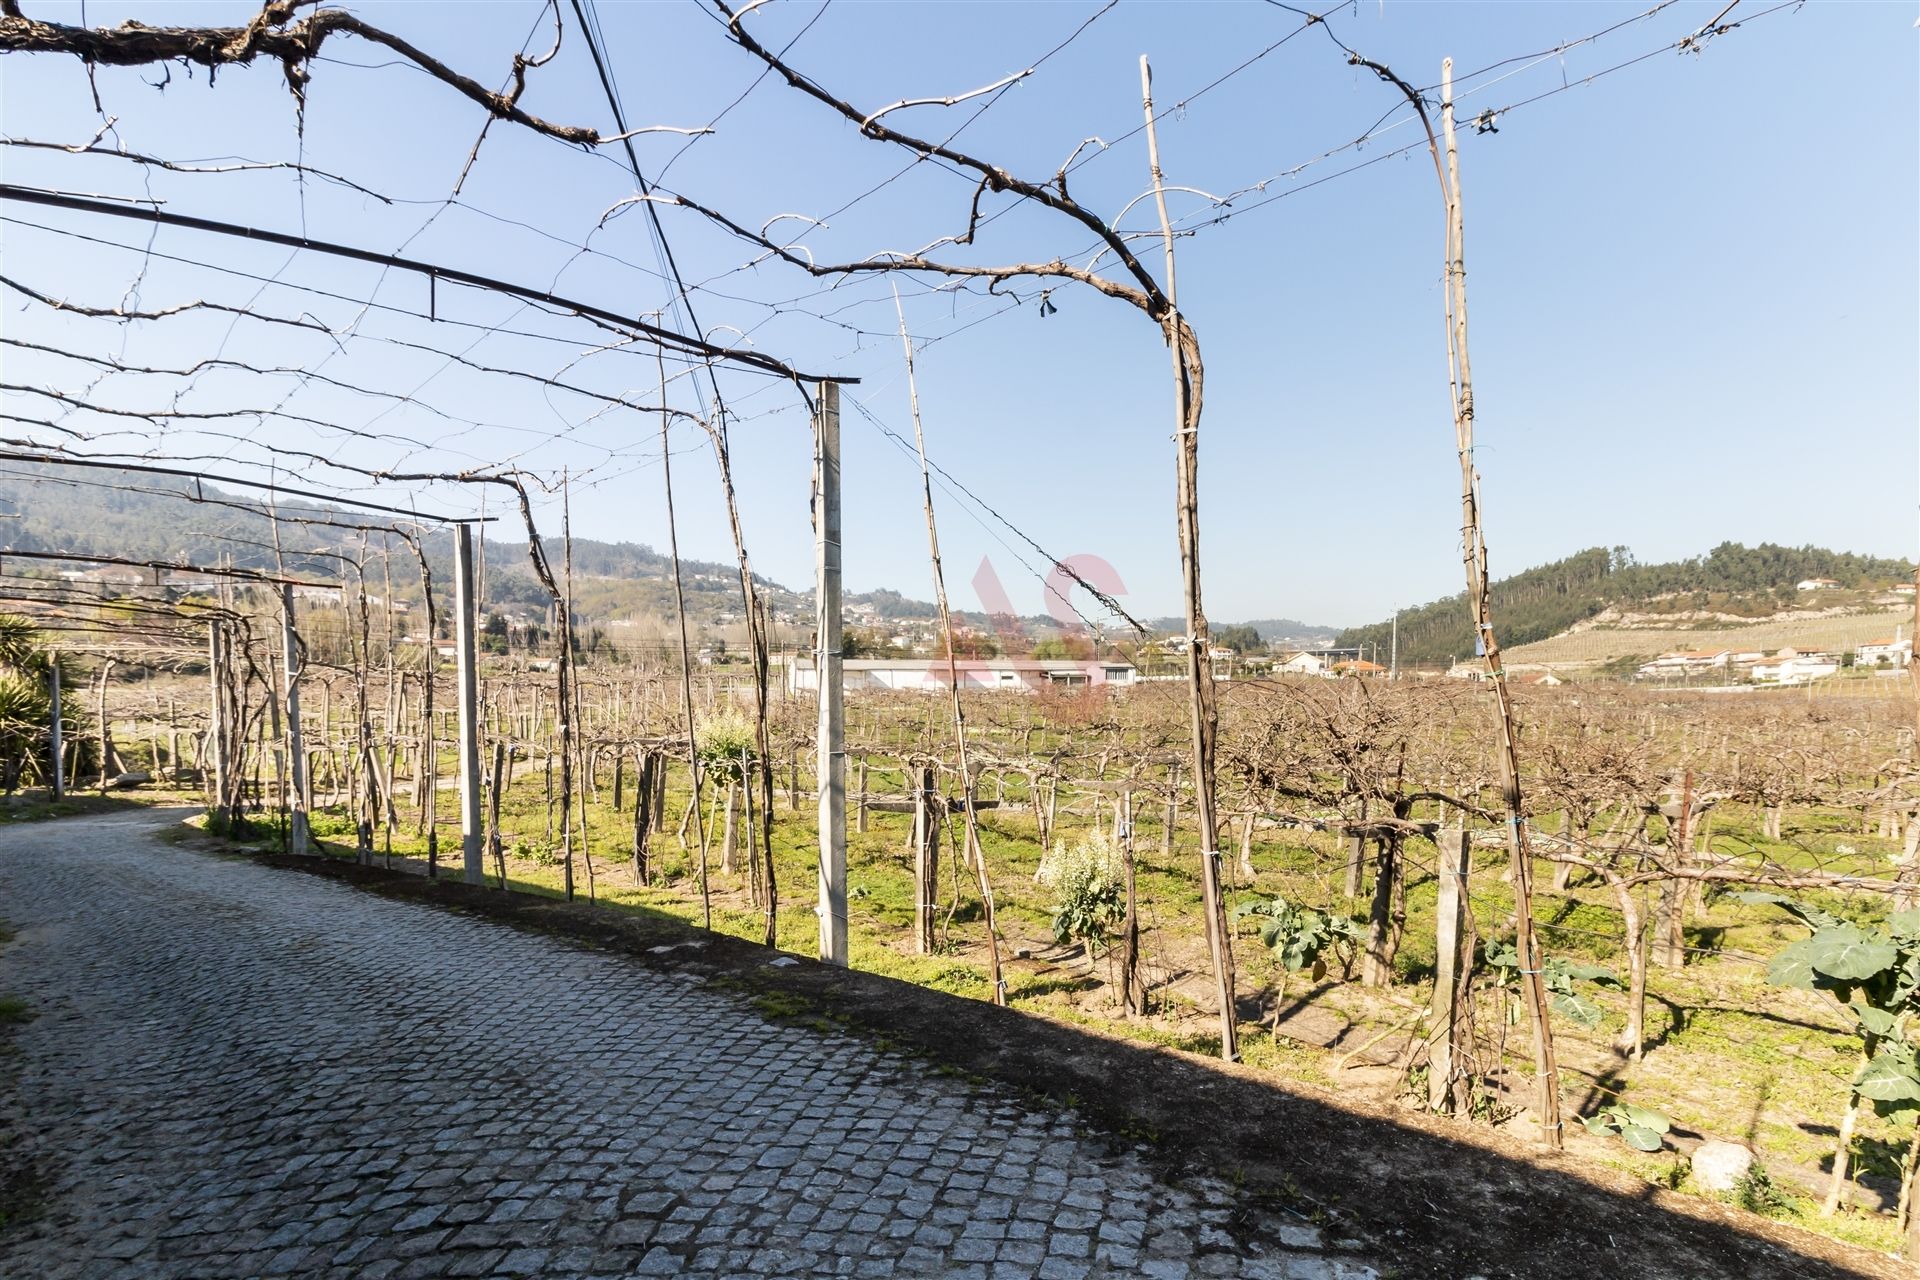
<point x="1544" y="601"/>
<point x="94" y="517"/>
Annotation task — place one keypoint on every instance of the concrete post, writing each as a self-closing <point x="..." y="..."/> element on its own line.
<point x="57" y="742"/>
<point x="217" y="726"/>
<point x="464" y="625"/>
<point x="296" y="751"/>
<point x="832" y="749"/>
<point x="1451" y="967"/>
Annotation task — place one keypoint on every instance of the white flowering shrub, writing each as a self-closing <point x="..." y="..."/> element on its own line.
<point x="1090" y="895"/>
<point x="721" y="740"/>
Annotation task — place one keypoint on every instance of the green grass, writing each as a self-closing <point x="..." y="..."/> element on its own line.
<point x="1729" y="1057"/>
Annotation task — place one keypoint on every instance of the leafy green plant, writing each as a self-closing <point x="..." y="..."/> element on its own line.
<point x="538" y="852"/>
<point x="1562" y="978"/>
<point x="1639" y="1127"/>
<point x="1757" y="1192"/>
<point x="1089" y="896"/>
<point x="1873" y="971"/>
<point x="1300" y="936"/>
<point x="26" y="704"/>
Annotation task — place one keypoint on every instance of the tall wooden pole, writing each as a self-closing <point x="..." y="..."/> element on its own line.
<point x="1187" y="375"/>
<point x="473" y="865"/>
<point x="831" y="748"/>
<point x="973" y="847"/>
<point x="686" y="649"/>
<point x="56" y="744"/>
<point x="296" y="752"/>
<point x="1479" y="596"/>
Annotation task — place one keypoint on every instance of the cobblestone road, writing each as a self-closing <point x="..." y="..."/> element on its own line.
<point x="238" y="1071"/>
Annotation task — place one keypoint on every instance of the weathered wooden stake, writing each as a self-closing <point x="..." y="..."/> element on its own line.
<point x="926" y="855"/>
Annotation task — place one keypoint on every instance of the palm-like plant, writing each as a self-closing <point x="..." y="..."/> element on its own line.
<point x="26" y="700"/>
<point x="20" y="644"/>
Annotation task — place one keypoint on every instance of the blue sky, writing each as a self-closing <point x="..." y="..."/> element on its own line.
<point x="1694" y="286"/>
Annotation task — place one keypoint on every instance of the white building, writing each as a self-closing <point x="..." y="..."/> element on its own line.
<point x="1896" y="652"/>
<point x="1788" y="667"/>
<point x="1019" y="675"/>
<point x="1301" y="664"/>
<point x="1687" y="662"/>
<point x="1816" y="584"/>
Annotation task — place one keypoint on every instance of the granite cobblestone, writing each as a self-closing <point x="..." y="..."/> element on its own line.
<point x="238" y="1071"/>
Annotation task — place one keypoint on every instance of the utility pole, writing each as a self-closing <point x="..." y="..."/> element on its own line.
<point x="55" y="744"/>
<point x="296" y="753"/>
<point x="832" y="749"/>
<point x="473" y="865"/>
<point x="1393" y="661"/>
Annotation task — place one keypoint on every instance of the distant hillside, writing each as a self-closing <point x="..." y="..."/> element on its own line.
<point x="610" y="578"/>
<point x="1288" y="631"/>
<point x="1604" y="644"/>
<point x="1732" y="580"/>
<point x="1272" y="631"/>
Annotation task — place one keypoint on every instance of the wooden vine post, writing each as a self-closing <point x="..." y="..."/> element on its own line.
<point x="1479" y="597"/>
<point x="972" y="850"/>
<point x="1187" y="379"/>
<point x="686" y="652"/>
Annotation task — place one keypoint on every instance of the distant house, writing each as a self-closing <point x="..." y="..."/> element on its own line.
<point x="1817" y="584"/>
<point x="1896" y="652"/>
<point x="1538" y="679"/>
<point x="1358" y="667"/>
<point x="1686" y="662"/>
<point x="1789" y="667"/>
<point x="1017" y="675"/>
<point x="1301" y="664"/>
<point x="1903" y="588"/>
<point x="114" y="576"/>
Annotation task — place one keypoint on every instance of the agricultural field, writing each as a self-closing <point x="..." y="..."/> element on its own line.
<point x="1332" y="795"/>
<point x="729" y="476"/>
<point x="1610" y="640"/>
